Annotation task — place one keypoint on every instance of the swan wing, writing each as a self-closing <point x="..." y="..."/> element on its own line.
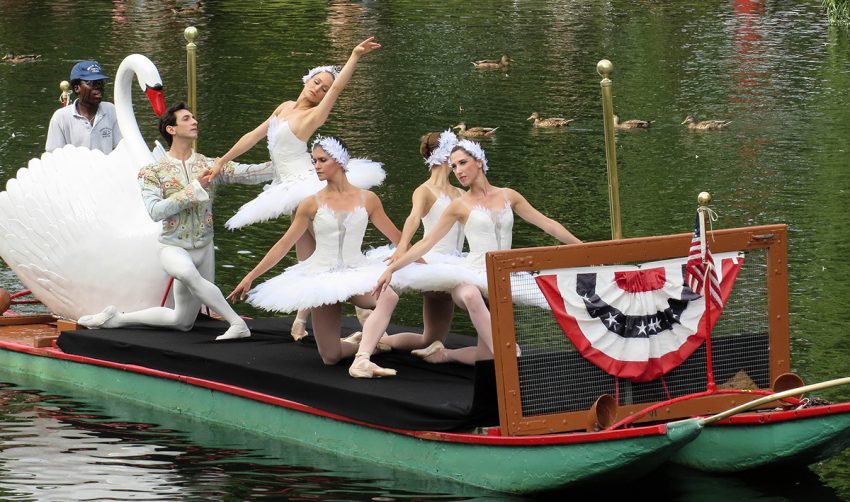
<point x="75" y="231"/>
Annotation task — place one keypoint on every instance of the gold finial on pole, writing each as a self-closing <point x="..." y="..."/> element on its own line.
<point x="605" y="68"/>
<point x="190" y="34"/>
<point x="65" y="95"/>
<point x="704" y="198"/>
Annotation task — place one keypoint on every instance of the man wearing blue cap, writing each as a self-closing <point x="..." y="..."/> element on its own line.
<point x="88" y="121"/>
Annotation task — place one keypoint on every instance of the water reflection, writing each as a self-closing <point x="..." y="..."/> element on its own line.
<point x="58" y="448"/>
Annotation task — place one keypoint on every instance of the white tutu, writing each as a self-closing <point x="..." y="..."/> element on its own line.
<point x="299" y="288"/>
<point x="283" y="196"/>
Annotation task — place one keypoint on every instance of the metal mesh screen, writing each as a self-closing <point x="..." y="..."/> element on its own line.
<point x="555" y="378"/>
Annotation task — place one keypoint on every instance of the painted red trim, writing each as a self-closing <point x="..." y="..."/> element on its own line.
<point x="538" y="440"/>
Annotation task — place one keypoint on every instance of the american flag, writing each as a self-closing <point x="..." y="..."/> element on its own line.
<point x="699" y="259"/>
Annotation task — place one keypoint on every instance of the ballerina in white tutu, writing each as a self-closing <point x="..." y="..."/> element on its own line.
<point x="337" y="271"/>
<point x="486" y="213"/>
<point x="430" y="200"/>
<point x="287" y="130"/>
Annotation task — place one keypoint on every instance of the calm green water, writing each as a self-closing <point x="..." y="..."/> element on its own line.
<point x="775" y="68"/>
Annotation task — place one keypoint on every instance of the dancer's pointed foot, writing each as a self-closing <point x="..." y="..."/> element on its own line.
<point x="362" y="367"/>
<point x="354" y="337"/>
<point x="99" y="320"/>
<point x="357" y="336"/>
<point x="238" y="330"/>
<point x="362" y="314"/>
<point x="434" y="353"/>
<point x="299" y="329"/>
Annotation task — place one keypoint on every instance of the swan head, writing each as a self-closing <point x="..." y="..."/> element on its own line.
<point x="148" y="77"/>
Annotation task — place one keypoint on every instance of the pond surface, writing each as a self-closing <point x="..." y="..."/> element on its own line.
<point x="775" y="68"/>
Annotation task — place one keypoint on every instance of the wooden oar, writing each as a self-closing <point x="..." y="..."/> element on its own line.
<point x="774" y="397"/>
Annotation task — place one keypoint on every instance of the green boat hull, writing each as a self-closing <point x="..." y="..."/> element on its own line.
<point x="498" y="467"/>
<point x="739" y="447"/>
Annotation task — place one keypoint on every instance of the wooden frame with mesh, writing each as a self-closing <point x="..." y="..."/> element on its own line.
<point x="771" y="238"/>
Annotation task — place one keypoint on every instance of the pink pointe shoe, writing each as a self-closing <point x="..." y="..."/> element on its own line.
<point x="429" y="350"/>
<point x="355" y="338"/>
<point x="362" y="367"/>
<point x="299" y="329"/>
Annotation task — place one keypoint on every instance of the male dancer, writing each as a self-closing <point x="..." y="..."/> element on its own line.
<point x="178" y="191"/>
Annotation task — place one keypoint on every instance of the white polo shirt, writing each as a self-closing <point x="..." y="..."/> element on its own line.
<point x="68" y="127"/>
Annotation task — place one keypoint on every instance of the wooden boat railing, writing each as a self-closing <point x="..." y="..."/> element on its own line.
<point x="751" y="340"/>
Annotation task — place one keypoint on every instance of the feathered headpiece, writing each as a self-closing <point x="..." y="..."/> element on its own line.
<point x="447" y="141"/>
<point x="474" y="149"/>
<point x="333" y="70"/>
<point x="334" y="148"/>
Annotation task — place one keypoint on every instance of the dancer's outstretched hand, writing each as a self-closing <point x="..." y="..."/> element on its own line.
<point x="366" y="46"/>
<point x="240" y="290"/>
<point x="218" y="165"/>
<point x="383" y="283"/>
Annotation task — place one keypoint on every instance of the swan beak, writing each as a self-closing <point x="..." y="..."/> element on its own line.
<point x="157" y="99"/>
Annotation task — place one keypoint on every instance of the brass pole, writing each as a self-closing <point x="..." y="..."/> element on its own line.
<point x="605" y="68"/>
<point x="65" y="94"/>
<point x="190" y="34"/>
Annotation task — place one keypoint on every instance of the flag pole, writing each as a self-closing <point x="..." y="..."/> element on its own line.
<point x="704" y="199"/>
<point x="605" y="68"/>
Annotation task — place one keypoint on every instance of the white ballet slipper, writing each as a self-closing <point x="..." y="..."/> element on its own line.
<point x="362" y="367"/>
<point x="99" y="320"/>
<point x="238" y="330"/>
<point x="429" y="350"/>
<point x="299" y="329"/>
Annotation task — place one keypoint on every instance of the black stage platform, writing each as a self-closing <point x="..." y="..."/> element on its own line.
<point x="437" y="397"/>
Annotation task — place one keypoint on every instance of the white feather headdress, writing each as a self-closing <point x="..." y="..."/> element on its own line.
<point x="333" y="70"/>
<point x="334" y="148"/>
<point x="447" y="141"/>
<point x="474" y="149"/>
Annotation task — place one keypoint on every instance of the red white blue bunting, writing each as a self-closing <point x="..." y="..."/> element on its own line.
<point x="635" y="322"/>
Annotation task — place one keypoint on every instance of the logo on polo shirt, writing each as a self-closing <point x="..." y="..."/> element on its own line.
<point x="106" y="133"/>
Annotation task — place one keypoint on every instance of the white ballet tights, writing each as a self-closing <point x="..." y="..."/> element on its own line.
<point x="193" y="271"/>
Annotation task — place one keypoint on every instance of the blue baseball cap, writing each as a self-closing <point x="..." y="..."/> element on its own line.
<point x="87" y="70"/>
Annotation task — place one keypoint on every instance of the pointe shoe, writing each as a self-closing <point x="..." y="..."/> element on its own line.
<point x="362" y="314"/>
<point x="299" y="329"/>
<point x="239" y="330"/>
<point x="99" y="320"/>
<point x="354" y="337"/>
<point x="357" y="336"/>
<point x="362" y="367"/>
<point x="429" y="350"/>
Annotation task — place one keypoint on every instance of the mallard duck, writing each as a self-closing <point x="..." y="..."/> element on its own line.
<point x="20" y="58"/>
<point x="632" y="124"/>
<point x="474" y="132"/>
<point x="196" y="7"/>
<point x="492" y="64"/>
<point x="705" y="125"/>
<point x="550" y="122"/>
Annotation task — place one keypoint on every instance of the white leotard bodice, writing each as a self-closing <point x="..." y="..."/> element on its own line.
<point x="339" y="237"/>
<point x="488" y="230"/>
<point x="288" y="153"/>
<point x="452" y="242"/>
